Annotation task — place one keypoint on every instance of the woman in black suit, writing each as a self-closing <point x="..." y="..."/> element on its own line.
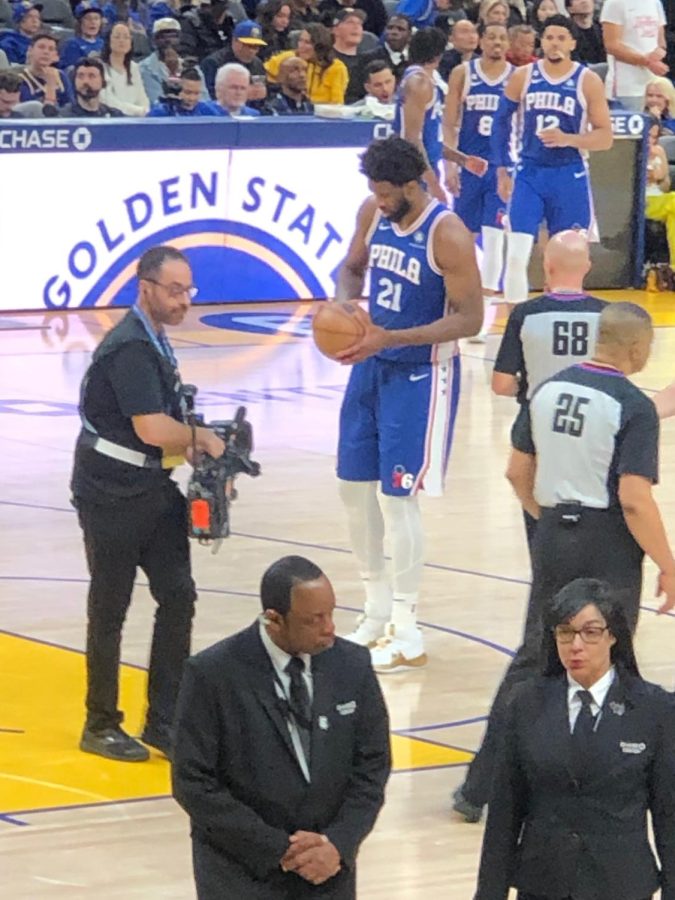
<point x="589" y="749"/>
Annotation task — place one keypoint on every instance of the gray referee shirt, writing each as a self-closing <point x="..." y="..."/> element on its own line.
<point x="547" y="334"/>
<point x="588" y="426"/>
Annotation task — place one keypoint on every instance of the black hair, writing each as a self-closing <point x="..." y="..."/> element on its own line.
<point x="394" y="160"/>
<point x="402" y="17"/>
<point x="10" y="81"/>
<point x="281" y="577"/>
<point x="322" y="42"/>
<point x="426" y="45"/>
<point x="44" y="36"/>
<point x="482" y="28"/>
<point x="568" y="603"/>
<point x="153" y="259"/>
<point x="89" y="62"/>
<point x="107" y="50"/>
<point x="377" y="65"/>
<point x="561" y="21"/>
<point x="265" y="15"/>
<point x="191" y="73"/>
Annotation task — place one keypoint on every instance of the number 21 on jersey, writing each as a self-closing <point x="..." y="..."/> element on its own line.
<point x="389" y="294"/>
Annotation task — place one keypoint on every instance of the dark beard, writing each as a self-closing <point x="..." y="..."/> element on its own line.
<point x="401" y="212"/>
<point x="88" y="93"/>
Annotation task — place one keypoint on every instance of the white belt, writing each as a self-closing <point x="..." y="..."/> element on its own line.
<point x="124" y="454"/>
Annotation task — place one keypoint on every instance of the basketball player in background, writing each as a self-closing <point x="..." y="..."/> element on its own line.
<point x="399" y="408"/>
<point x="474" y="90"/>
<point x="419" y="110"/>
<point x="555" y="100"/>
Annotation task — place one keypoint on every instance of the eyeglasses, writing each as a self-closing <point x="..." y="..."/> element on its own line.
<point x="589" y="634"/>
<point x="175" y="290"/>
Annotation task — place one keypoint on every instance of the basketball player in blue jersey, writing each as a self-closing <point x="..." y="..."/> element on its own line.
<point x="419" y="110"/>
<point x="399" y="408"/>
<point x="474" y="91"/>
<point x="561" y="113"/>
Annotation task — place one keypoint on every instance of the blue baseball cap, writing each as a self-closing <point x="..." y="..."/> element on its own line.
<point x="249" y="32"/>
<point x="87" y="6"/>
<point x="22" y="8"/>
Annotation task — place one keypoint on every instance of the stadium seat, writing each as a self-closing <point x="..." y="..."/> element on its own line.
<point x="600" y="69"/>
<point x="369" y="42"/>
<point x="140" y="45"/>
<point x="390" y="6"/>
<point x="57" y="12"/>
<point x="5" y="14"/>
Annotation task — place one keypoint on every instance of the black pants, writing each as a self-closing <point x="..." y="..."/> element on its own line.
<point x="595" y="544"/>
<point x="522" y="896"/>
<point x="149" y="531"/>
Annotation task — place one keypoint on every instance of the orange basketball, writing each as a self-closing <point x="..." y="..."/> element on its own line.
<point x="336" y="327"/>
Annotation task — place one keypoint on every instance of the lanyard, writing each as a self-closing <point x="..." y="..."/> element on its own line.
<point x="159" y="339"/>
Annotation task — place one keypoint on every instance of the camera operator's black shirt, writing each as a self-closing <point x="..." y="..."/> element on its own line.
<point x="128" y="376"/>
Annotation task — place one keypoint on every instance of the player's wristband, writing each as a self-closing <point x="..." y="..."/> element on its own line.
<point x="501" y="132"/>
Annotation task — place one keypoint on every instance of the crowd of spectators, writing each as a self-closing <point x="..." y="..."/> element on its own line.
<point x="267" y="57"/>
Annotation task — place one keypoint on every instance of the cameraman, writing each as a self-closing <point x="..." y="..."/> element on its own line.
<point x="131" y="513"/>
<point x="186" y="101"/>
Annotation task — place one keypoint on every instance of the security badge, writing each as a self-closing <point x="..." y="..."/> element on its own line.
<point x="628" y="747"/>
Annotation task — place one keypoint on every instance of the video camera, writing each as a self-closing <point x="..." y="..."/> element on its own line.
<point x="211" y="487"/>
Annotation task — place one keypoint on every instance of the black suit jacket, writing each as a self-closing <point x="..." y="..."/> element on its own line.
<point x="237" y="776"/>
<point x="557" y="828"/>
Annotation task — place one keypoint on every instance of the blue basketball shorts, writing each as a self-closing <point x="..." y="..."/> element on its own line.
<point x="478" y="204"/>
<point x="396" y="425"/>
<point x="560" y="196"/>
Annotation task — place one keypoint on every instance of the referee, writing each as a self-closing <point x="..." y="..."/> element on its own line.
<point x="548" y="333"/>
<point x="131" y="513"/>
<point x="584" y="461"/>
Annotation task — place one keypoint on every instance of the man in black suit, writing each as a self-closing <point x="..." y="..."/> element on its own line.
<point x="393" y="52"/>
<point x="281" y="749"/>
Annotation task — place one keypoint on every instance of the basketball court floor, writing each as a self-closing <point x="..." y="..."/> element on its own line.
<point x="73" y="825"/>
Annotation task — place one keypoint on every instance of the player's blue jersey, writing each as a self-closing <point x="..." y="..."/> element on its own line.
<point x="406" y="286"/>
<point x="480" y="101"/>
<point x="551" y="104"/>
<point x="432" y="134"/>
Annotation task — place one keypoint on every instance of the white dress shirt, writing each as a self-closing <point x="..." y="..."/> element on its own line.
<point x="598" y="692"/>
<point x="282" y="686"/>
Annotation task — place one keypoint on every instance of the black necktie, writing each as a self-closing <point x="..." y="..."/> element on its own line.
<point x="585" y="723"/>
<point x="300" y="704"/>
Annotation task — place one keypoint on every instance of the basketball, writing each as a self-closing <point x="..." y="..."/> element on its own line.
<point x="336" y="326"/>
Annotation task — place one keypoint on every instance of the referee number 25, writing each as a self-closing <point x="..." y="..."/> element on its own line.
<point x="570" y="417"/>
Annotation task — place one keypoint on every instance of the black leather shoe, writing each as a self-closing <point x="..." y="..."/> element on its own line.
<point x="466" y="810"/>
<point x="113" y="743"/>
<point x="159" y="739"/>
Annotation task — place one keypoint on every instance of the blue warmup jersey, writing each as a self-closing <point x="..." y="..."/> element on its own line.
<point x="432" y="135"/>
<point x="406" y="287"/>
<point x="551" y="104"/>
<point x="480" y="101"/>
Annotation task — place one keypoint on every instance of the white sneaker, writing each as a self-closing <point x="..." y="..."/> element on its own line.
<point x="480" y="338"/>
<point x="368" y="631"/>
<point x="399" y="654"/>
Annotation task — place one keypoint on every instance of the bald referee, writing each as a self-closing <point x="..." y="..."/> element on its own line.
<point x="584" y="461"/>
<point x="548" y="333"/>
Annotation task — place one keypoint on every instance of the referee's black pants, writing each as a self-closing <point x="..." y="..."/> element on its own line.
<point x="149" y="531"/>
<point x="569" y="542"/>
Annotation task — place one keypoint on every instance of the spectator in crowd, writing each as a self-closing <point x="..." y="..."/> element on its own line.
<point x="374" y="13"/>
<point x="634" y="38"/>
<point x="292" y="99"/>
<point x="660" y="102"/>
<point x="187" y="101"/>
<point x="232" y="85"/>
<point x="590" y="48"/>
<point x="164" y="65"/>
<point x="28" y="22"/>
<point x="522" y="41"/>
<point x="659" y="199"/>
<point x="303" y="13"/>
<point x="274" y="19"/>
<point x="124" y="84"/>
<point x="247" y="42"/>
<point x="205" y="29"/>
<point x="464" y="37"/>
<point x="41" y="79"/>
<point x="380" y="82"/>
<point x="541" y="11"/>
<point x="326" y="76"/>
<point x="501" y="12"/>
<point x="10" y="85"/>
<point x="88" y="82"/>
<point x="393" y="50"/>
<point x="347" y="35"/>
<point x="88" y="40"/>
<point x="447" y="12"/>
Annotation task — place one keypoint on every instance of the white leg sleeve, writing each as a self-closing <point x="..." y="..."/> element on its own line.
<point x="518" y="252"/>
<point x="404" y="531"/>
<point x="366" y="533"/>
<point x="493" y="257"/>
